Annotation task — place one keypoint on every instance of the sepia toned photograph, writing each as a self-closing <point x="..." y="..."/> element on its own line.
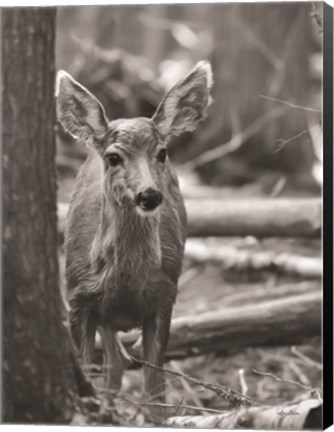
<point x="162" y="215"/>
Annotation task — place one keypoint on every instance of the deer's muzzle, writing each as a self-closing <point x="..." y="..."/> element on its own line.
<point x="149" y="199"/>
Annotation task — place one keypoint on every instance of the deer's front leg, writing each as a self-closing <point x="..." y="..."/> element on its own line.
<point x="155" y="340"/>
<point x="116" y="359"/>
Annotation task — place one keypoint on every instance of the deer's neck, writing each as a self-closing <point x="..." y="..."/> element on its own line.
<point x="129" y="242"/>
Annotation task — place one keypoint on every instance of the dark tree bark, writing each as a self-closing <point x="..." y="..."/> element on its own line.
<point x="39" y="377"/>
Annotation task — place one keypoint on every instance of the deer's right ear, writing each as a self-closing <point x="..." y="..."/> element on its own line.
<point x="186" y="103"/>
<point x="80" y="113"/>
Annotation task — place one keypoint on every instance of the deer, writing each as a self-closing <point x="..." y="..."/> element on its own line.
<point x="126" y="225"/>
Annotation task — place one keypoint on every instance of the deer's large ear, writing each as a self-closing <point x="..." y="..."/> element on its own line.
<point x="186" y="103"/>
<point x="81" y="114"/>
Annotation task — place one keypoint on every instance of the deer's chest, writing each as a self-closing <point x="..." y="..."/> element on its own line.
<point x="126" y="298"/>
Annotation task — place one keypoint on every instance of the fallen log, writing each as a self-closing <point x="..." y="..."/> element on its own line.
<point x="259" y="218"/>
<point x="240" y="259"/>
<point x="307" y="414"/>
<point x="276" y="322"/>
<point x="265" y="294"/>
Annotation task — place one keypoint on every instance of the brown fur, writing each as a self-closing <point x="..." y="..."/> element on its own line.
<point x="122" y="268"/>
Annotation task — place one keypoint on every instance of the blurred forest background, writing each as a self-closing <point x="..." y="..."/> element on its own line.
<point x="251" y="175"/>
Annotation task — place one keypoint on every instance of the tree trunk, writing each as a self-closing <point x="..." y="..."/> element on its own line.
<point x="39" y="377"/>
<point x="261" y="49"/>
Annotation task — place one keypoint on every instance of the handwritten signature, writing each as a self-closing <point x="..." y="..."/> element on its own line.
<point x="287" y="412"/>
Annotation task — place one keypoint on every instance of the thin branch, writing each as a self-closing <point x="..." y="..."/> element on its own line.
<point x="297" y="383"/>
<point x="290" y="104"/>
<point x="153" y="397"/>
<point x="179" y="405"/>
<point x="125" y="397"/>
<point x="236" y="142"/>
<point x="194" y="408"/>
<point x="282" y="143"/>
<point x="243" y="383"/>
<point x="223" y="391"/>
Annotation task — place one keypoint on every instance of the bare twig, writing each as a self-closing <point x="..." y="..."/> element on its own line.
<point x="313" y="390"/>
<point x="290" y="104"/>
<point x="223" y="391"/>
<point x="282" y="143"/>
<point x="236" y="142"/>
<point x="152" y="398"/>
<point x="194" y="408"/>
<point x="243" y="384"/>
<point x="306" y="359"/>
<point x="297" y="383"/>
<point x="178" y="406"/>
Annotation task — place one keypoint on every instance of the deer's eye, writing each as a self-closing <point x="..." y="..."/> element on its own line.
<point x="114" y="159"/>
<point x="162" y="155"/>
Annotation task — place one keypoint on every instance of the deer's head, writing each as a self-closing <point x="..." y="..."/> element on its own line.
<point x="134" y="151"/>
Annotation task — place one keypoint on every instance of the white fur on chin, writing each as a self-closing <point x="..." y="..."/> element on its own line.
<point x="145" y="213"/>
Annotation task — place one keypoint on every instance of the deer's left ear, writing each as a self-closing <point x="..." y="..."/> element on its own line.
<point x="81" y="114"/>
<point x="186" y="103"/>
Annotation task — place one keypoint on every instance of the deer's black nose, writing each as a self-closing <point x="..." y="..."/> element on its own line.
<point x="149" y="199"/>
